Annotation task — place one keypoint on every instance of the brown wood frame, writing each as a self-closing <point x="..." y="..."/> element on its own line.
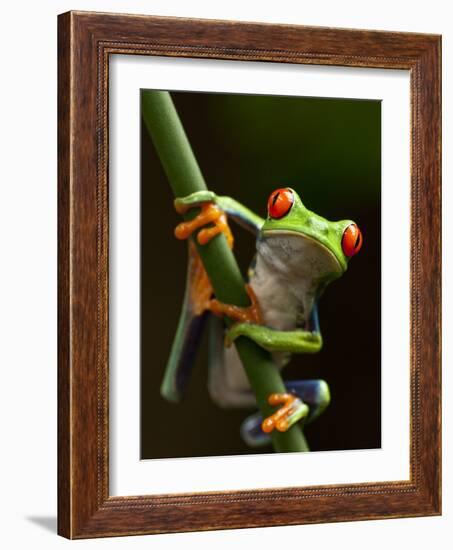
<point x="85" y="41"/>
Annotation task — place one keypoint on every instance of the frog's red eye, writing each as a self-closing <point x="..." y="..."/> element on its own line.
<point x="352" y="240"/>
<point x="280" y="203"/>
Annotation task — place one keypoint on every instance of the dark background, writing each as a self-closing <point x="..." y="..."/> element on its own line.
<point x="329" y="150"/>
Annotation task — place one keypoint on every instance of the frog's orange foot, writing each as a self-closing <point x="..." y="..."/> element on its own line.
<point x="211" y="215"/>
<point x="291" y="411"/>
<point x="250" y="314"/>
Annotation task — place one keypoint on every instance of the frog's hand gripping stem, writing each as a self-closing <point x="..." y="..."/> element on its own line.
<point x="234" y="209"/>
<point x="190" y="329"/>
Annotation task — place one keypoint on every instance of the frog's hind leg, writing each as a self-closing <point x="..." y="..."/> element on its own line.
<point x="190" y="328"/>
<point x="314" y="393"/>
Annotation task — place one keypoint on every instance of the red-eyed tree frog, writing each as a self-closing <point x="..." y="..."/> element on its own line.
<point x="298" y="253"/>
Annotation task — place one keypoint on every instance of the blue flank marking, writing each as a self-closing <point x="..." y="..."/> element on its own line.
<point x="314" y="321"/>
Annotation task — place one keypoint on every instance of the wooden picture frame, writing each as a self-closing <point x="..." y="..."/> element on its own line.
<point x="85" y="41"/>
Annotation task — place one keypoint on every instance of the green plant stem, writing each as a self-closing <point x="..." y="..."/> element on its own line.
<point x="184" y="175"/>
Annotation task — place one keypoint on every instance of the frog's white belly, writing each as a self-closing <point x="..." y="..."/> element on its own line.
<point x="285" y="303"/>
<point x="287" y="277"/>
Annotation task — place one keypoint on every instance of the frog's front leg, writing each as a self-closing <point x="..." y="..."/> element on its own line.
<point x="232" y="208"/>
<point x="214" y="217"/>
<point x="292" y="341"/>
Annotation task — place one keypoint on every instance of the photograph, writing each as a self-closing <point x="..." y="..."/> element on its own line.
<point x="292" y="184"/>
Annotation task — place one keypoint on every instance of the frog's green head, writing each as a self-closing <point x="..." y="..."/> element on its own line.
<point x="287" y="215"/>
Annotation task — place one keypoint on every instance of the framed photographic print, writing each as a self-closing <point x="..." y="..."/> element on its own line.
<point x="249" y="274"/>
